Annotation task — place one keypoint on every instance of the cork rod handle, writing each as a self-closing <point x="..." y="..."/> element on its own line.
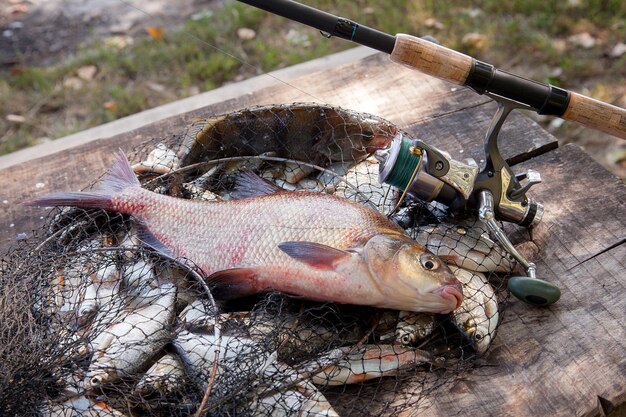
<point x="455" y="67"/>
<point x="431" y="59"/>
<point x="596" y="114"/>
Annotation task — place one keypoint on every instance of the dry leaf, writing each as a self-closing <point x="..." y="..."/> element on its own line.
<point x="618" y="50"/>
<point x="433" y="23"/>
<point x="246" y="34"/>
<point x="118" y="42"/>
<point x="155" y="32"/>
<point x="159" y="88"/>
<point x="15" y="118"/>
<point x="73" y="83"/>
<point x="17" y="9"/>
<point x="87" y="72"/>
<point x="110" y="105"/>
<point x="475" y="41"/>
<point x="583" y="40"/>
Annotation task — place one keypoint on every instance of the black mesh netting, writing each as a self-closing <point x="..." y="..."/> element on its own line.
<point x="92" y="322"/>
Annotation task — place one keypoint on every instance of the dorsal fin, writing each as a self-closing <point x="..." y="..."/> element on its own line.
<point x="248" y="184"/>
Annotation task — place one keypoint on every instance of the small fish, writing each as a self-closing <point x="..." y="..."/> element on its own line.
<point x="165" y="377"/>
<point x="199" y="351"/>
<point x="198" y="315"/>
<point x="288" y="394"/>
<point x="160" y="161"/>
<point x="80" y="406"/>
<point x="477" y="318"/>
<point x="319" y="246"/>
<point x="466" y="247"/>
<point x="363" y="175"/>
<point x="124" y="347"/>
<point x="342" y="366"/>
<point x="315" y="133"/>
<point x="413" y="327"/>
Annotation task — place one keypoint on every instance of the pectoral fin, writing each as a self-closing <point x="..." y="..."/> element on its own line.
<point x="234" y="283"/>
<point x="316" y="255"/>
<point x="148" y="238"/>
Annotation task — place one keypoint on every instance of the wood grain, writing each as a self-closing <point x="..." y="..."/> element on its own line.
<point x="559" y="361"/>
<point x="596" y="114"/>
<point x="556" y="361"/>
<point x="431" y="59"/>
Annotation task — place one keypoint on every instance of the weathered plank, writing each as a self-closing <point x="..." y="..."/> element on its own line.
<point x="451" y="118"/>
<point x="561" y="360"/>
<point x="564" y="360"/>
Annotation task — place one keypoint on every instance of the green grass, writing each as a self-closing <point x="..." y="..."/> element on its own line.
<point x="520" y="35"/>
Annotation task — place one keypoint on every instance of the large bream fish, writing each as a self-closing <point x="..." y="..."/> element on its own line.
<point x="315" y="245"/>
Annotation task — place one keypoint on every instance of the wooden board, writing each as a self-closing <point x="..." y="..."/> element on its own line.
<point x="569" y="359"/>
<point x="563" y="360"/>
<point x="447" y="116"/>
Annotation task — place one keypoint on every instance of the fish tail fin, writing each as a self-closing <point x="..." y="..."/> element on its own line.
<point x="119" y="177"/>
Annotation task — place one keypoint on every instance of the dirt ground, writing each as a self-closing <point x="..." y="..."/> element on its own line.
<point x="48" y="31"/>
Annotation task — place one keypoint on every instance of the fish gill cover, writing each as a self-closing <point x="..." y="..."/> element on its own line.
<point x="95" y="322"/>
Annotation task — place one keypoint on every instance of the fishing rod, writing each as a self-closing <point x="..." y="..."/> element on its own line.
<point x="455" y="67"/>
<point x="418" y="169"/>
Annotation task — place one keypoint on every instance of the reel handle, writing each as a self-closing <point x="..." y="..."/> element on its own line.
<point x="534" y="291"/>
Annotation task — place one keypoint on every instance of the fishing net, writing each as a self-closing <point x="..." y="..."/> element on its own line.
<point x="95" y="323"/>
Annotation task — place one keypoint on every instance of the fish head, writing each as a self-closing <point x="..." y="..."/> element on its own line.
<point x="411" y="275"/>
<point x="478" y="316"/>
<point x="98" y="377"/>
<point x="376" y="134"/>
<point x="479" y="325"/>
<point x="357" y="137"/>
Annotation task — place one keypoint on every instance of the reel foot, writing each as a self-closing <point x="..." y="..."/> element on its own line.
<point x="534" y="291"/>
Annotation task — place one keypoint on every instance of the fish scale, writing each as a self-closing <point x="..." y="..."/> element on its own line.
<point x="265" y="222"/>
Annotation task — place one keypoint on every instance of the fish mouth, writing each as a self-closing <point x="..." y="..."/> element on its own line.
<point x="453" y="293"/>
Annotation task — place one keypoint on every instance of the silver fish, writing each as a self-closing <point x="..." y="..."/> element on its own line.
<point x="288" y="394"/>
<point x="466" y="247"/>
<point x="80" y="406"/>
<point x="165" y="377"/>
<point x="199" y="351"/>
<point x="342" y="366"/>
<point x="124" y="347"/>
<point x="478" y="316"/>
<point x="413" y="327"/>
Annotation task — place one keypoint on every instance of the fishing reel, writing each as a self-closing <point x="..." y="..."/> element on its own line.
<point x="493" y="190"/>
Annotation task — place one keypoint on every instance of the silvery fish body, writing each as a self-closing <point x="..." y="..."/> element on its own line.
<point x="466" y="247"/>
<point x="165" y="377"/>
<point x="124" y="347"/>
<point x="342" y="366"/>
<point x="288" y="394"/>
<point x="478" y="316"/>
<point x="80" y="406"/>
<point x="314" y="245"/>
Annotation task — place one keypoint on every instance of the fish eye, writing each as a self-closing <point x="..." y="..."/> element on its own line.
<point x="406" y="339"/>
<point x="478" y="337"/>
<point x="429" y="262"/>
